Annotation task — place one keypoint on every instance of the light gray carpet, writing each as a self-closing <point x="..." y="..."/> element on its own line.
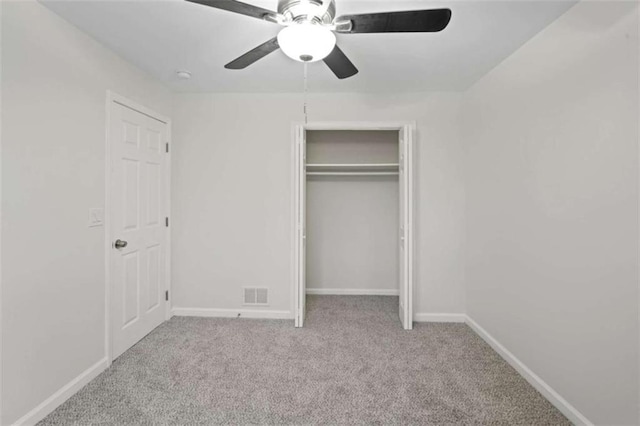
<point x="351" y="364"/>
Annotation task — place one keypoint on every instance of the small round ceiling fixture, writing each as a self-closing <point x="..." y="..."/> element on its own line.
<point x="183" y="74"/>
<point x="306" y="42"/>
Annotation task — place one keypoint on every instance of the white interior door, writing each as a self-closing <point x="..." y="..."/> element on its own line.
<point x="137" y="223"/>
<point x="301" y="213"/>
<point x="405" y="232"/>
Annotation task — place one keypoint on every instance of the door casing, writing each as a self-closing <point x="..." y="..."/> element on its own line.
<point x="407" y="133"/>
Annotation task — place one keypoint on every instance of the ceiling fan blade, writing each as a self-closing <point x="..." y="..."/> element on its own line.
<point x="238" y="7"/>
<point x="410" y="21"/>
<point x="341" y="66"/>
<point x="254" y="55"/>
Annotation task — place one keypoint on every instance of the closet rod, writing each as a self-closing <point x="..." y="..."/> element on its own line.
<point x="352" y="173"/>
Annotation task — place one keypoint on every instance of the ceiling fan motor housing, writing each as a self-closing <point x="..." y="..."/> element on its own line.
<point x="317" y="11"/>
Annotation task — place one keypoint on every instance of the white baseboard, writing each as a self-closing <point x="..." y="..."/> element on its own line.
<point x="231" y="313"/>
<point x="534" y="380"/>
<point x="351" y="292"/>
<point x="439" y="318"/>
<point x="64" y="393"/>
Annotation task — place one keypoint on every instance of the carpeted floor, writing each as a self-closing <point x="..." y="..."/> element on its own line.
<point x="351" y="364"/>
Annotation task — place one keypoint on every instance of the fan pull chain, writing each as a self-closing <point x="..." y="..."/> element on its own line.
<point x="306" y="88"/>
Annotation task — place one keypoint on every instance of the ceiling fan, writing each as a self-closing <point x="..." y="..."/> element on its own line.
<point x="309" y="36"/>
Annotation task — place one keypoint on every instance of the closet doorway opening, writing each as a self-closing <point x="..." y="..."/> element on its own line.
<point x="353" y="213"/>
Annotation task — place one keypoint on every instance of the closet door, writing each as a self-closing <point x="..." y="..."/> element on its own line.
<point x="301" y="213"/>
<point x="405" y="231"/>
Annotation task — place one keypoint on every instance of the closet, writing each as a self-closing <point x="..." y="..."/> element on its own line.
<point x="353" y="190"/>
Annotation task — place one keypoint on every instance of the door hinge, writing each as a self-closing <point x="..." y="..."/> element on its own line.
<point x="167" y="147"/>
<point x="166" y="222"/>
<point x="166" y="295"/>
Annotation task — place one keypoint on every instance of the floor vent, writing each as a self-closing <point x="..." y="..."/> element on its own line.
<point x="256" y="296"/>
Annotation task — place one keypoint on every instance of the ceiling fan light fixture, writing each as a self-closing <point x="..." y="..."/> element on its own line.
<point x="306" y="42"/>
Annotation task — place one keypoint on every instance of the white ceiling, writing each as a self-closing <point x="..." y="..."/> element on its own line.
<point x="164" y="36"/>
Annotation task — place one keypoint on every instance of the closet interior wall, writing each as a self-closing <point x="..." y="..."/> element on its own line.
<point x="352" y="212"/>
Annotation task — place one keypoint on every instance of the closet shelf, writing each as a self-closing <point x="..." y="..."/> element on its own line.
<point x="352" y="173"/>
<point x="353" y="168"/>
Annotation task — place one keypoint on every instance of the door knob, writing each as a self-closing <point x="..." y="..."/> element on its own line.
<point x="120" y="244"/>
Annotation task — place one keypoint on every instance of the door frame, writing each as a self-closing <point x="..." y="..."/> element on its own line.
<point x="112" y="98"/>
<point x="409" y="128"/>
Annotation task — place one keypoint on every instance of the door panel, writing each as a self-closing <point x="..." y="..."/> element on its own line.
<point x="130" y="207"/>
<point x="401" y="234"/>
<point x="153" y="274"/>
<point x="138" y="194"/>
<point x="154" y="141"/>
<point x="301" y="202"/>
<point x="131" y="284"/>
<point x="405" y="229"/>
<point x="153" y="193"/>
<point x="303" y="221"/>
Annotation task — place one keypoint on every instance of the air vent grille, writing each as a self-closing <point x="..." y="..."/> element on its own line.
<point x="262" y="296"/>
<point x="249" y="296"/>
<point x="256" y="296"/>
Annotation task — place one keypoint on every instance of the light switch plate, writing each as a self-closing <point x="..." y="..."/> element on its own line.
<point x="96" y="217"/>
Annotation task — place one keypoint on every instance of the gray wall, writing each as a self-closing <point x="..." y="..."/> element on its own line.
<point x="552" y="207"/>
<point x="54" y="83"/>
<point x="232" y="199"/>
